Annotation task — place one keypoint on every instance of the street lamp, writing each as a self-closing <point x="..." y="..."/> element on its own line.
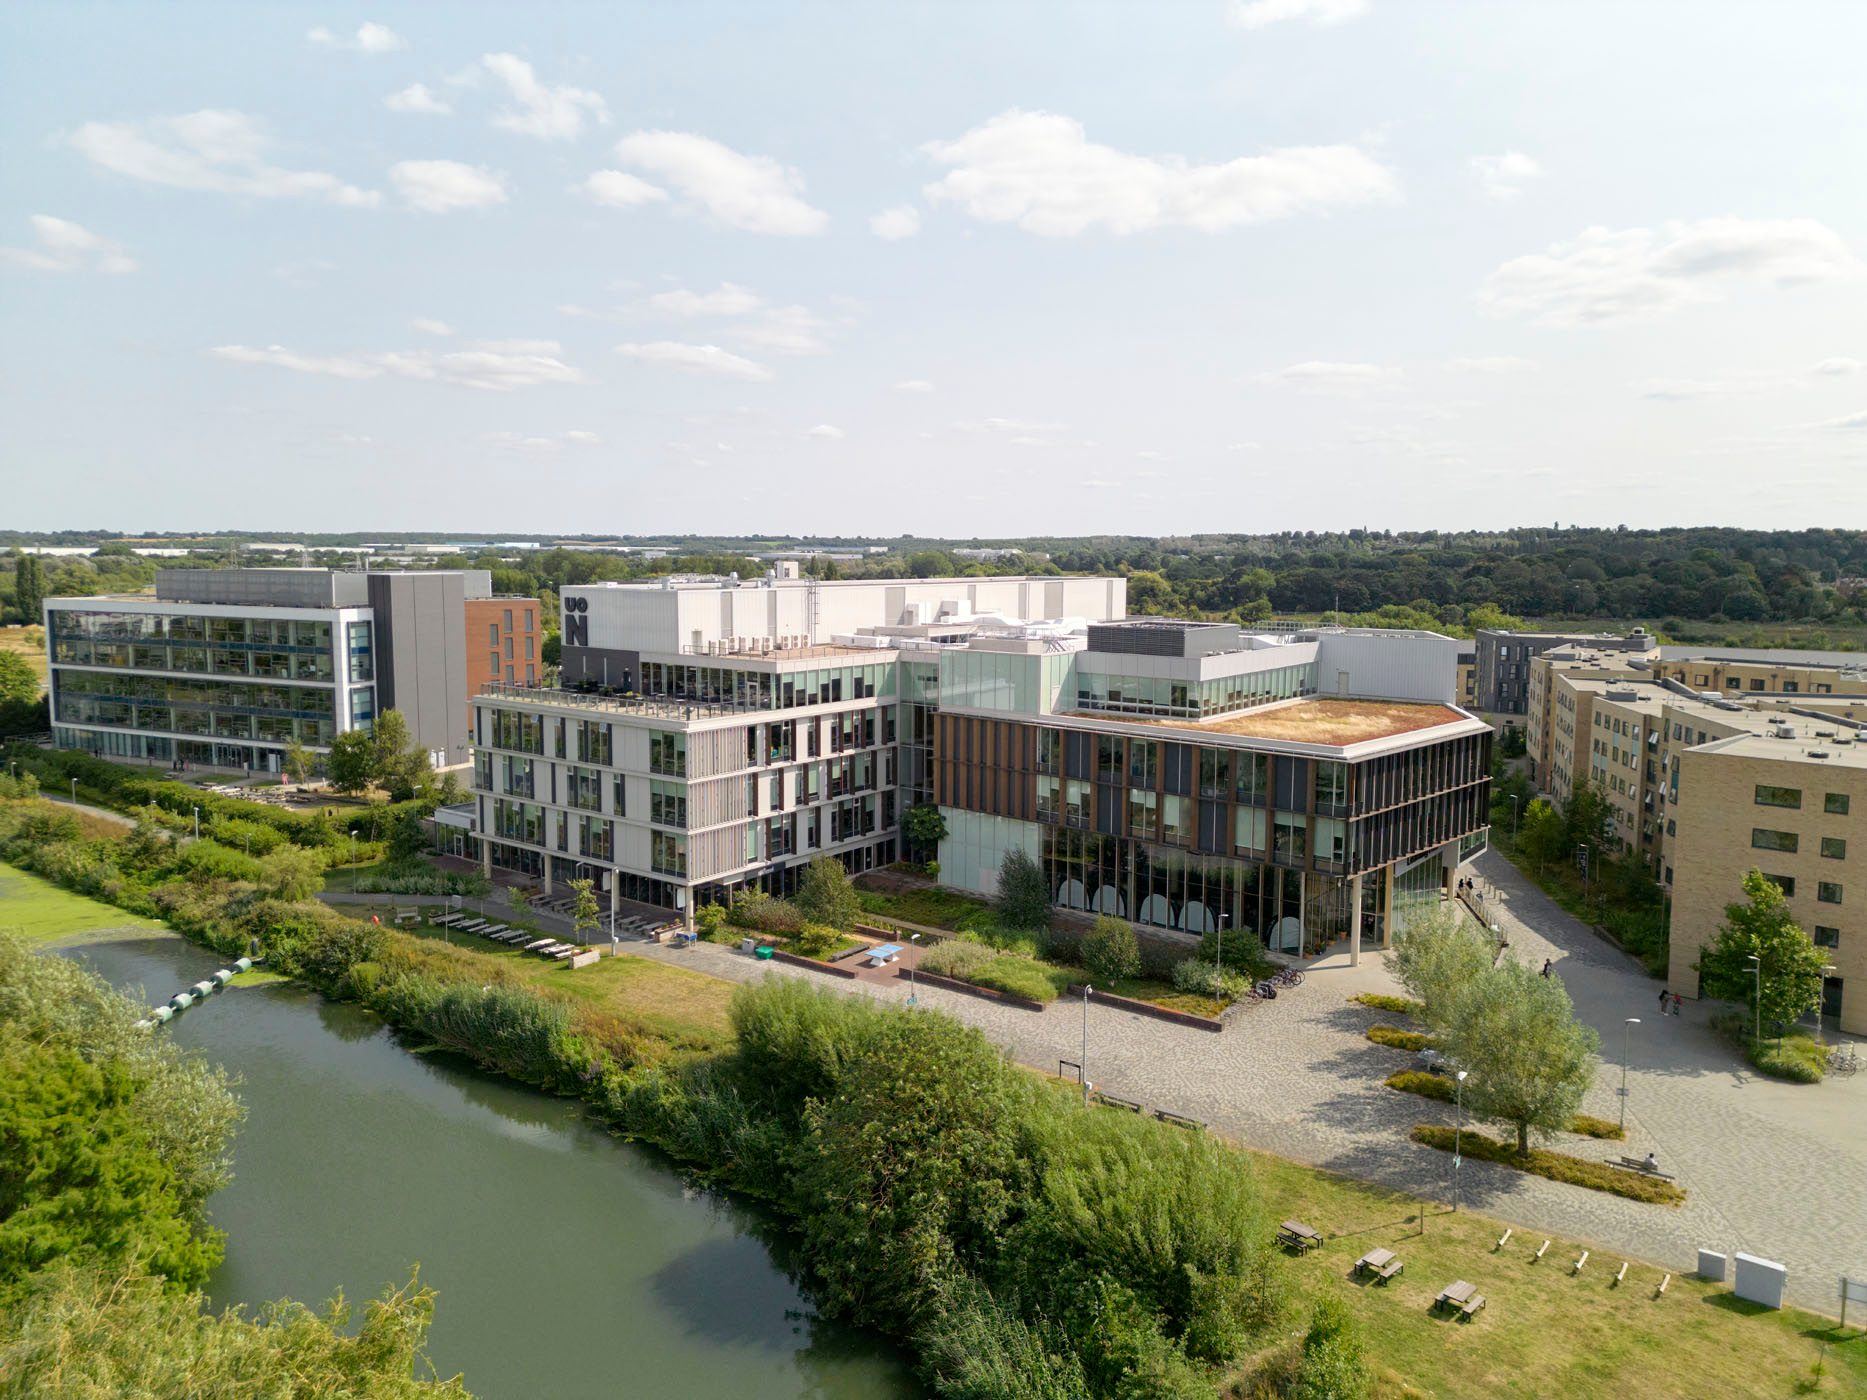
<point x="1515" y="798"/>
<point x="1087" y="989"/>
<point x="1458" y="1136"/>
<point x="1828" y="970"/>
<point x="913" y="996"/>
<point x="197" y="824"/>
<point x="353" y="845"/>
<point x="1756" y="967"/>
<point x="1630" y="1021"/>
<point x="74" y="792"/>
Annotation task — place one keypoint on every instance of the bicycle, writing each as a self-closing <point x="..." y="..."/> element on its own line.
<point x="1843" y="1061"/>
<point x="1288" y="977"/>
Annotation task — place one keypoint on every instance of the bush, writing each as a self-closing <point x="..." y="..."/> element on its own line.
<point x="816" y="940"/>
<point x="1797" y="1059"/>
<point x="1243" y="954"/>
<point x="1023" y="892"/>
<point x="1427" y="1086"/>
<point x="1396" y="1039"/>
<point x="825" y="896"/>
<point x="1587" y="1125"/>
<point x="1332" y="1365"/>
<point x="1110" y="952"/>
<point x="1203" y="979"/>
<point x="1557" y="1166"/>
<point x="767" y="914"/>
<point x="955" y="957"/>
<point x="1380" y="1001"/>
<point x="710" y="919"/>
<point x="1016" y="976"/>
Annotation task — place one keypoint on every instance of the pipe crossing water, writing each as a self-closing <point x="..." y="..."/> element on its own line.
<point x="200" y="991"/>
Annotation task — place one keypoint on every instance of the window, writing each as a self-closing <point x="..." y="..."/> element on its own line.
<point x="1828" y="892"/>
<point x="531" y="618"/>
<point x="1332" y="788"/>
<point x="508" y="619"/>
<point x="1176" y="820"/>
<point x="1827" y="937"/>
<point x="1785" y="883"/>
<point x="530" y="652"/>
<point x="1763" y="839"/>
<point x="1049" y="747"/>
<point x="492" y="662"/>
<point x="667" y="754"/>
<point x="1142" y="806"/>
<point x="1212" y="775"/>
<point x="667" y="853"/>
<point x="1143" y="763"/>
<point x="667" y="804"/>
<point x="492" y="634"/>
<point x="1768" y="796"/>
<point x="1834" y="848"/>
<point x="1252" y="771"/>
<point x="583" y="789"/>
<point x="1835" y="804"/>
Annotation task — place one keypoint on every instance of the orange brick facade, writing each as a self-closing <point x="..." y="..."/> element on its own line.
<point x="503" y="642"/>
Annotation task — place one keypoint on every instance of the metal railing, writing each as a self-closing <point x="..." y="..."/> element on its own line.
<point x="650" y="706"/>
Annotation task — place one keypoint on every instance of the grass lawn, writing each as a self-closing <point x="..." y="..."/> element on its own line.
<point x="688" y="1008"/>
<point x="43" y="912"/>
<point x="935" y="907"/>
<point x="1542" y="1332"/>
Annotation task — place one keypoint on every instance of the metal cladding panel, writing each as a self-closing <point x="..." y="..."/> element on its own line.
<point x="1389" y="668"/>
<point x="421" y="667"/>
<point x="285" y="588"/>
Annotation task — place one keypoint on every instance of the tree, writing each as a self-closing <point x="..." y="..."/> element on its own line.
<point x="826" y="896"/>
<point x="408" y="841"/>
<point x="1542" y="833"/>
<point x="1435" y="957"/>
<point x="1110" y="950"/>
<point x="925" y="828"/>
<point x="1588" y="819"/>
<point x="1790" y="963"/>
<point x="1332" y="1366"/>
<point x="300" y="762"/>
<point x="18" y="684"/>
<point x="352" y="764"/>
<point x="1023" y="892"/>
<point x="29" y="589"/>
<point x="401" y="767"/>
<point x="291" y="872"/>
<point x="584" y="911"/>
<point x="1529" y="1060"/>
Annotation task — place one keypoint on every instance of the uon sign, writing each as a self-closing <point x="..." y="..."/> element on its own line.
<point x="576" y="622"/>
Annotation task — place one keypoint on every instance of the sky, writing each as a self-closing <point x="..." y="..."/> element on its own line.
<point x="959" y="268"/>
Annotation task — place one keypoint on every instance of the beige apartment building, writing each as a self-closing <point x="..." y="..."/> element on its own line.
<point x="1782" y="803"/>
<point x="1767" y="673"/>
<point x="1543" y="724"/>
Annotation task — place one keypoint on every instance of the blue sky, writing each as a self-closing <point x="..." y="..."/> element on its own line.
<point x="943" y="268"/>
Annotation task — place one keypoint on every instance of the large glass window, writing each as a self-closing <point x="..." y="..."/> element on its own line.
<point x="667" y="803"/>
<point x="1253" y="773"/>
<point x="583" y="789"/>
<point x="1769" y="796"/>
<point x="667" y="853"/>
<point x="1332" y="788"/>
<point x="362" y="663"/>
<point x="667" y="754"/>
<point x="1143" y="763"/>
<point x="1143" y="805"/>
<point x="1835" y="804"/>
<point x="1763" y="839"/>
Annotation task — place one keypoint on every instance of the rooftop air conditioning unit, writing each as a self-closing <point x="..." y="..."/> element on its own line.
<point x="1785" y="731"/>
<point x="1818" y="753"/>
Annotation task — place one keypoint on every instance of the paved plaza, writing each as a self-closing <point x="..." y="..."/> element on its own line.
<point x="1773" y="1169"/>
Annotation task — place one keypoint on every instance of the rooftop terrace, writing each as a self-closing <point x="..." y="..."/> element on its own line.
<point x="1337" y="722"/>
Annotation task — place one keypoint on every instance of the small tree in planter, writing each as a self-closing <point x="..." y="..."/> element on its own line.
<point x="584" y="911"/>
<point x="1110" y="950"/>
<point x="826" y="896"/>
<point x="1023" y="892"/>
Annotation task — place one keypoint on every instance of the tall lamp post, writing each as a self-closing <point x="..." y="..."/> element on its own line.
<point x="1756" y="967"/>
<point x="1828" y="970"/>
<point x="1514" y="800"/>
<point x="197" y="824"/>
<point x="74" y="792"/>
<point x="1087" y="989"/>
<point x="1458" y="1137"/>
<point x="913" y="987"/>
<point x="1626" y="1025"/>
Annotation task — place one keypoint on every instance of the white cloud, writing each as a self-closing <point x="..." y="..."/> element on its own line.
<point x="1853" y="422"/>
<point x="1329" y="376"/>
<point x="825" y="430"/>
<point x="754" y="193"/>
<point x="726" y="300"/>
<point x="1504" y="176"/>
<point x="789" y="330"/>
<point x="1634" y="274"/>
<point x="68" y="247"/>
<point x="437" y="186"/>
<point x="902" y="221"/>
<point x="1493" y="364"/>
<point x="696" y="359"/>
<point x="619" y="189"/>
<point x="429" y="326"/>
<point x="369" y="38"/>
<point x="1041" y="172"/>
<point x="221" y="151"/>
<point x="1255" y="14"/>
<point x="1244" y="446"/>
<point x="1149" y="456"/>
<point x="1009" y="425"/>
<point x="1025" y="440"/>
<point x="416" y="98"/>
<point x="549" y="113"/>
<point x="915" y="386"/>
<point x="483" y="365"/>
<point x="1840" y="364"/>
<point x="543" y="443"/>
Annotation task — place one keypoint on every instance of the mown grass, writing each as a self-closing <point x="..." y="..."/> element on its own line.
<point x="1796" y="1057"/>
<point x="42" y="912"/>
<point x="1556" y="1166"/>
<point x="934" y="906"/>
<point x="1542" y="1332"/>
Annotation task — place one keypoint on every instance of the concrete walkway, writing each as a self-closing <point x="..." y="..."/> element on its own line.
<point x="1773" y="1169"/>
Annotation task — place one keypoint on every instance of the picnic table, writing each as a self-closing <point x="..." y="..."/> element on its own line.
<point x="1382" y="1263"/>
<point x="1298" y="1235"/>
<point x="1461" y="1295"/>
<point x="883" y="953"/>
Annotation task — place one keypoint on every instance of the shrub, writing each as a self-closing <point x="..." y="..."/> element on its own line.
<point x="767" y="914"/>
<point x="710" y="919"/>
<point x="1795" y="1057"/>
<point x="1396" y="1039"/>
<point x="956" y="957"/>
<point x="1242" y="953"/>
<point x="1380" y="1001"/>
<point x="1587" y="1125"/>
<point x="1023" y="891"/>
<point x="1203" y="979"/>
<point x="1332" y="1365"/>
<point x="1427" y="1086"/>
<point x="1557" y="1166"/>
<point x="1016" y="976"/>
<point x="825" y="896"/>
<point x="816" y="940"/>
<point x="1110" y="952"/>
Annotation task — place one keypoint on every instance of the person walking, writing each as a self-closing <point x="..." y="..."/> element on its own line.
<point x="1665" y="996"/>
<point x="1678" y="1001"/>
<point x="1546" y="966"/>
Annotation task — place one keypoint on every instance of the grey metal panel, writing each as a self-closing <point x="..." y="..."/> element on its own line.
<point x="279" y="588"/>
<point x="421" y="656"/>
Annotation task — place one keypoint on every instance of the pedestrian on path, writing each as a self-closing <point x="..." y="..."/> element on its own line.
<point x="1664" y="997"/>
<point x="1677" y="1002"/>
<point x="1547" y="964"/>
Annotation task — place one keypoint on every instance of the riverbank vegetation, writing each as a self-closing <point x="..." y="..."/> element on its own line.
<point x="111" y="1142"/>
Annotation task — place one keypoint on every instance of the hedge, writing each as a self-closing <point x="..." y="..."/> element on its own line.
<point x="1396" y="1039"/>
<point x="1556" y="1166"/>
<point x="1380" y="1001"/>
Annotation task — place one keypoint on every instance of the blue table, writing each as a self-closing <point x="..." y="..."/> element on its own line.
<point x="885" y="953"/>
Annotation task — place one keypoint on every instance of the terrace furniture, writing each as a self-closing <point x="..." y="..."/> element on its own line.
<point x="686" y="937"/>
<point x="883" y="954"/>
<point x="408" y="916"/>
<point x="538" y="943"/>
<point x="1382" y="1263"/>
<point x="1298" y="1235"/>
<point x="472" y="926"/>
<point x="1462" y="1296"/>
<point x="494" y="931"/>
<point x="1638" y="1164"/>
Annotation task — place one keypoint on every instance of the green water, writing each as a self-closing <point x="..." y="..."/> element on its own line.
<point x="568" y="1264"/>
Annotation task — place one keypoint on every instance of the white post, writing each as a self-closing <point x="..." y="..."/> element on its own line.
<point x="1631" y="1021"/>
<point x="1354" y="922"/>
<point x="1084" y="1069"/>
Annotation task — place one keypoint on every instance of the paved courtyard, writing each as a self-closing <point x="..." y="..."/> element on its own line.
<point x="1773" y="1169"/>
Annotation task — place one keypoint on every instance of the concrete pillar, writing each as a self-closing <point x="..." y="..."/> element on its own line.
<point x="547" y="870"/>
<point x="1387" y="919"/>
<point x="486" y="856"/>
<point x="1354" y="922"/>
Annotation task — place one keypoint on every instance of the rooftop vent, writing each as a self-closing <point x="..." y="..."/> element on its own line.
<point x="1784" y="731"/>
<point x="1818" y="753"/>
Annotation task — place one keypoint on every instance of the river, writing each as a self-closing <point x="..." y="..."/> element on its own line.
<point x="568" y="1264"/>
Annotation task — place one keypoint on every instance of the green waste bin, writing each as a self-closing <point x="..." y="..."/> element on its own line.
<point x="763" y="954"/>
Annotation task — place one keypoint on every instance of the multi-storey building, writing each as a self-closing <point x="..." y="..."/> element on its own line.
<point x="503" y="642"/>
<point x="1503" y="661"/>
<point x="1545" y="725"/>
<point x="224" y="668"/>
<point x="1781" y="802"/>
<point x="1771" y="671"/>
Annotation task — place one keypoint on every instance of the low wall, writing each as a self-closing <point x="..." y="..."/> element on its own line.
<point x="953" y="984"/>
<point x="796" y="960"/>
<point x="1148" y="1008"/>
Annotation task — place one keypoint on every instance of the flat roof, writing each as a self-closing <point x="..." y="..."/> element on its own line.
<point x="1800" y="749"/>
<point x="1335" y="722"/>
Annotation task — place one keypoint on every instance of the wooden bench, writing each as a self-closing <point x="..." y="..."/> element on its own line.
<point x="1180" y="1120"/>
<point x="408" y="916"/>
<point x="1472" y="1304"/>
<point x="1637" y="1164"/>
<point x="1111" y="1101"/>
<point x="1298" y="1236"/>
